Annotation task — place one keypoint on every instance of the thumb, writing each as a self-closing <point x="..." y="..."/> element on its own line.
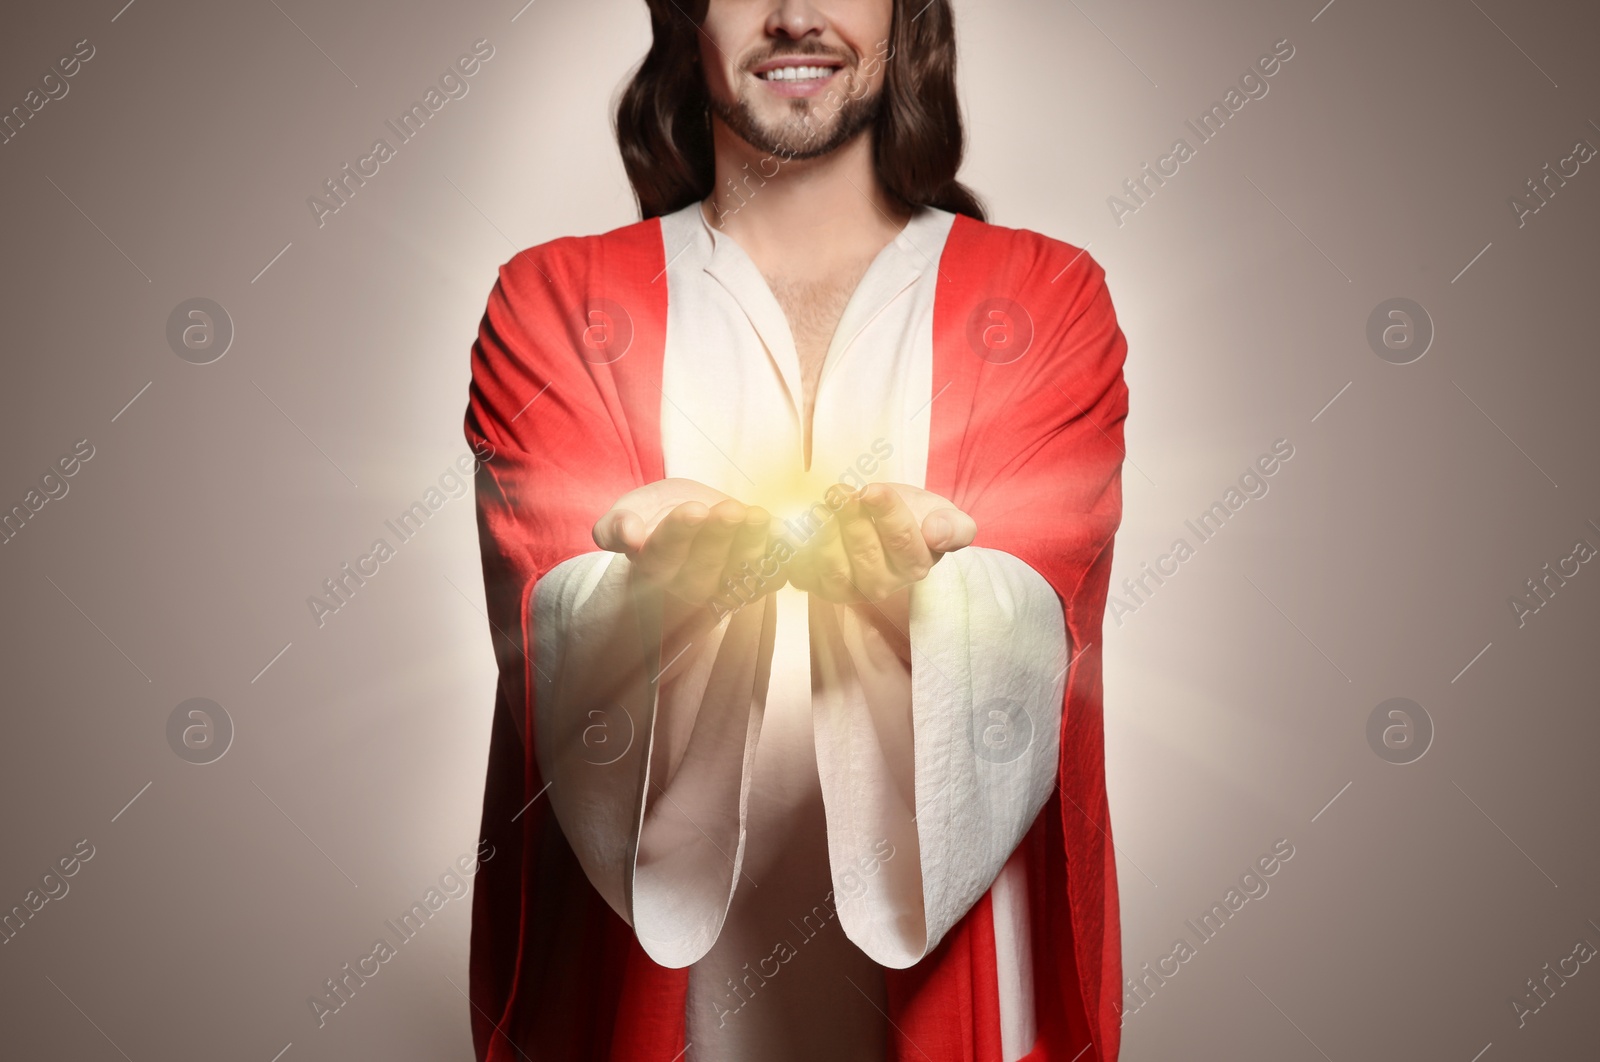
<point x="619" y="531"/>
<point x="946" y="530"/>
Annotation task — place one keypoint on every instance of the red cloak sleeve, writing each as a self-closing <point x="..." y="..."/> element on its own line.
<point x="1025" y="435"/>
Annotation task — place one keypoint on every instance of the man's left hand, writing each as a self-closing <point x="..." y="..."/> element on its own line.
<point x="884" y="538"/>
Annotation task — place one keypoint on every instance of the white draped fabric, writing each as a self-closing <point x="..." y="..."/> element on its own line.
<point x="785" y="799"/>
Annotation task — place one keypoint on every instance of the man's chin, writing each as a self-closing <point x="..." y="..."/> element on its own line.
<point x="816" y="133"/>
<point x="798" y="146"/>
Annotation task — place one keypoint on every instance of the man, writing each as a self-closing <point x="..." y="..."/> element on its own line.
<point x="805" y="760"/>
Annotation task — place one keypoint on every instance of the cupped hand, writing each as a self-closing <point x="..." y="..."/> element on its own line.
<point x="688" y="539"/>
<point x="884" y="538"/>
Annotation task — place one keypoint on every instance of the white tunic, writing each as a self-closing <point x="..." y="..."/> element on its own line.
<point x="784" y="804"/>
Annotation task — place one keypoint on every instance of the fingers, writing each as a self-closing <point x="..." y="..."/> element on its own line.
<point x="747" y="559"/>
<point x="904" y="548"/>
<point x="698" y="577"/>
<point x="619" y="531"/>
<point x="952" y="531"/>
<point x="668" y="546"/>
<point x="800" y="571"/>
<point x="825" y="566"/>
<point x="626" y="526"/>
<point x="947" y="530"/>
<point x="875" y="545"/>
<point x="879" y="541"/>
<point x="871" y="575"/>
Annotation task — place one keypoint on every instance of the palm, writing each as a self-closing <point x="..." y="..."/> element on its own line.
<point x="650" y="503"/>
<point x="689" y="539"/>
<point x="884" y="538"/>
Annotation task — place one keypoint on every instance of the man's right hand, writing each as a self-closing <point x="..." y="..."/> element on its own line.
<point x="687" y="538"/>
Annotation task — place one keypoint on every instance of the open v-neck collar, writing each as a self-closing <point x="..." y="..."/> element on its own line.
<point x="900" y="263"/>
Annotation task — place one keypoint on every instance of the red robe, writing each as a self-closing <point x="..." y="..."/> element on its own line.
<point x="1026" y="436"/>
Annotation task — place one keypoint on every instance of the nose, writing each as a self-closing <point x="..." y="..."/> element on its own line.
<point x="795" y="19"/>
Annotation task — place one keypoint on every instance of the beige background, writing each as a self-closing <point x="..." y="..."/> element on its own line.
<point x="1380" y="564"/>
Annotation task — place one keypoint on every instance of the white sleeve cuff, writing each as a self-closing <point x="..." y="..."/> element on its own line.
<point x="650" y="791"/>
<point x="930" y="779"/>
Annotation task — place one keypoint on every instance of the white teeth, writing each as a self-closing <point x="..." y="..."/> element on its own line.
<point x="798" y="73"/>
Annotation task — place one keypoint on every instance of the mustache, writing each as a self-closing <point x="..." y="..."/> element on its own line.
<point x="799" y="51"/>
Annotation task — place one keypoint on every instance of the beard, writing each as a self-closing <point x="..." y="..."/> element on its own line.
<point x="800" y="135"/>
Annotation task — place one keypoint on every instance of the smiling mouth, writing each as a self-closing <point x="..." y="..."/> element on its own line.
<point x="801" y="74"/>
<point x="797" y="75"/>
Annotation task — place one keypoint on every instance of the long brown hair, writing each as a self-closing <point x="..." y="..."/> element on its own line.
<point x="663" y="123"/>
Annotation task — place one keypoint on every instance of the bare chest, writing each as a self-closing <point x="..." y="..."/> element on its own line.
<point x="813" y="307"/>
